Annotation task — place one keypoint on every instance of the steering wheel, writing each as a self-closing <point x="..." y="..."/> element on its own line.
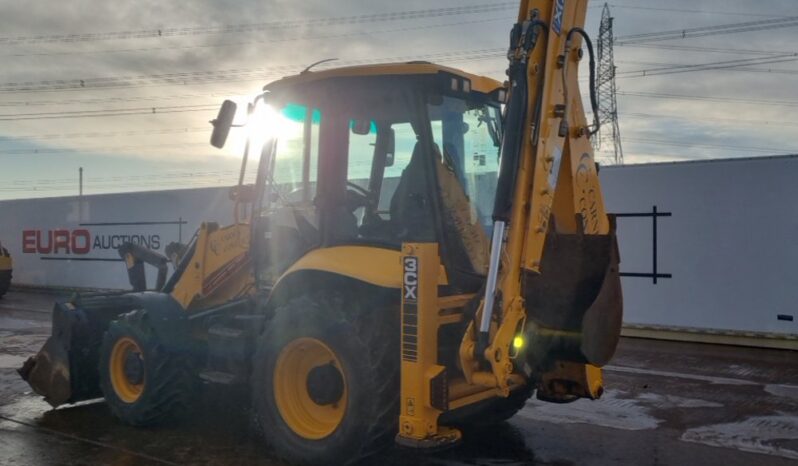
<point x="357" y="196"/>
<point x="359" y="189"/>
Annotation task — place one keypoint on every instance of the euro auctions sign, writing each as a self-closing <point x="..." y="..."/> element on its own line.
<point x="81" y="242"/>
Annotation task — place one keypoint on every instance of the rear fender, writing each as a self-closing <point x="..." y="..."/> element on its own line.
<point x="306" y="281"/>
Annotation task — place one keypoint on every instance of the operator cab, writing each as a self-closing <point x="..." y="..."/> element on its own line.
<point x="379" y="156"/>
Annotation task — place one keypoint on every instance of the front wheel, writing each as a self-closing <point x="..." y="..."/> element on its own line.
<point x="141" y="381"/>
<point x="325" y="380"/>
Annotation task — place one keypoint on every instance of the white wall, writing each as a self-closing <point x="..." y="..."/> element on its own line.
<point x="153" y="216"/>
<point x="730" y="244"/>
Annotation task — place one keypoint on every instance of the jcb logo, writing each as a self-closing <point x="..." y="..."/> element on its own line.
<point x="559" y="9"/>
<point x="410" y="278"/>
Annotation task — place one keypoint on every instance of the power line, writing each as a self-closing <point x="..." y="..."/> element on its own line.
<point x="722" y="65"/>
<point x="202" y="77"/>
<point x="691" y="48"/>
<point x="743" y="68"/>
<point x="104" y="100"/>
<point x="660" y="95"/>
<point x="223" y="182"/>
<point x="147" y="176"/>
<point x="256" y="27"/>
<point x="244" y="74"/>
<point x="711" y="146"/>
<point x="107" y="112"/>
<point x="260" y="74"/>
<point x="686" y="10"/>
<point x="705" y="118"/>
<point x="101" y="149"/>
<point x="174" y="179"/>
<point x="735" y="28"/>
<point x="97" y="135"/>
<point x="298" y="37"/>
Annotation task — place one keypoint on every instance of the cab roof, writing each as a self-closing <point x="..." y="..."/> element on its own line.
<point x="480" y="84"/>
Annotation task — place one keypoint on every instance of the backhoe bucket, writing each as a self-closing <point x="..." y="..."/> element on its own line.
<point x="575" y="302"/>
<point x="65" y="369"/>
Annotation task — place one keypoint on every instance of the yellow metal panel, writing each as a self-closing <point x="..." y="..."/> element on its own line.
<point x="377" y="266"/>
<point x="478" y="83"/>
<point x="418" y="417"/>
<point x="219" y="269"/>
<point x="5" y="262"/>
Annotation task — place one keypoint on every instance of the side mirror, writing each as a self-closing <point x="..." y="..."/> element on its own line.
<point x="223" y="123"/>
<point x="361" y="127"/>
<point x="390" y="154"/>
<point x="386" y="144"/>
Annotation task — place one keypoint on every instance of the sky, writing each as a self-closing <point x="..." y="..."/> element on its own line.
<point x="125" y="89"/>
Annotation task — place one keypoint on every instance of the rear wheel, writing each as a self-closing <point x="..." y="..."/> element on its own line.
<point x="142" y="382"/>
<point x="325" y="385"/>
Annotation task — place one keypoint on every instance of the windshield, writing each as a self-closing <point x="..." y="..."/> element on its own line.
<point x="366" y="170"/>
<point x="467" y="134"/>
<point x="291" y="174"/>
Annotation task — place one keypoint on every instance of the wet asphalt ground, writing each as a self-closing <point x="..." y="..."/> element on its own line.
<point x="665" y="404"/>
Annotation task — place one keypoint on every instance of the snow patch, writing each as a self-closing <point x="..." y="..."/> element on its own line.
<point x="672" y="401"/>
<point x="609" y="411"/>
<point x="10" y="361"/>
<point x="756" y="435"/>
<point x="784" y="391"/>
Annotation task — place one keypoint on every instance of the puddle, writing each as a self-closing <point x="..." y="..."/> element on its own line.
<point x="761" y="434"/>
<point x="784" y="391"/>
<point x="9" y="323"/>
<point x="680" y="375"/>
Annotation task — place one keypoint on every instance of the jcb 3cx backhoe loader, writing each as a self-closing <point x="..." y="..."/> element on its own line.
<point x="6" y="270"/>
<point x="421" y="249"/>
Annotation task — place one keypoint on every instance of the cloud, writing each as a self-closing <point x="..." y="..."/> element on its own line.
<point x="700" y="127"/>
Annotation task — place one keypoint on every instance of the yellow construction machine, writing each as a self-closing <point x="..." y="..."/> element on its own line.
<point x="6" y="270"/>
<point x="419" y="249"/>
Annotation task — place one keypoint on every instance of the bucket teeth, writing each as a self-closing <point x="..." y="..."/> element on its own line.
<point x="47" y="376"/>
<point x="65" y="369"/>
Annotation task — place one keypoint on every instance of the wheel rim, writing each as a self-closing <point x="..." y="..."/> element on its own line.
<point x="127" y="386"/>
<point x="298" y="365"/>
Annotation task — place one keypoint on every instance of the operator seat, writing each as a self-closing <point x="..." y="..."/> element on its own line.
<point x="411" y="210"/>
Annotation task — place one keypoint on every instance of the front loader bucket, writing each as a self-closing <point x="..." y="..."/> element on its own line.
<point x="575" y="302"/>
<point x="65" y="369"/>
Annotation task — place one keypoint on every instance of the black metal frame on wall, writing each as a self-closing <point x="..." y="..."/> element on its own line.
<point x="654" y="275"/>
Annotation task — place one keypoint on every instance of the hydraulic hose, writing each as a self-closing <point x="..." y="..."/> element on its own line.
<point x="523" y="39"/>
<point x="593" y="95"/>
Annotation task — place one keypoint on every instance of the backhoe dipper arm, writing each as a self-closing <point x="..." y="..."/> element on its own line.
<point x="547" y="185"/>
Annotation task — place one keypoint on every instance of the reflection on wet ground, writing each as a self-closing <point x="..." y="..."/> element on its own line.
<point x="666" y="403"/>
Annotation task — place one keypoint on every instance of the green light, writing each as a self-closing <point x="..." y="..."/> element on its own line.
<point x="518" y="342"/>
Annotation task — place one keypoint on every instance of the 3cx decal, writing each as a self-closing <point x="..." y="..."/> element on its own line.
<point x="410" y="278"/>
